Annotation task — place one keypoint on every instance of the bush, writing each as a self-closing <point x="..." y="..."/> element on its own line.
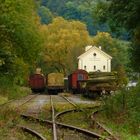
<point x="124" y="108"/>
<point x="11" y="90"/>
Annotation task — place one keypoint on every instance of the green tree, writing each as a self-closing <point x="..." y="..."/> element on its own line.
<point x="20" y="36"/>
<point x="81" y="10"/>
<point x="126" y="14"/>
<point x="118" y="49"/>
<point x="45" y="14"/>
<point x="102" y="15"/>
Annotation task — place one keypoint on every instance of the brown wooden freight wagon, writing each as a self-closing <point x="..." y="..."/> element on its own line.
<point x="37" y="82"/>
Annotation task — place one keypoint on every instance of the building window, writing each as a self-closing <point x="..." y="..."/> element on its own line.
<point x="104" y="67"/>
<point x="85" y="67"/>
<point x="94" y="54"/>
<point x="94" y="67"/>
<point x="80" y="77"/>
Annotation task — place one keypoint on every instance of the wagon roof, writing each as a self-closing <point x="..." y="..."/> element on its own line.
<point x="80" y="71"/>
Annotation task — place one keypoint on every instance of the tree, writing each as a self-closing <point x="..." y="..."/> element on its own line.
<point x="118" y="49"/>
<point x="20" y="38"/>
<point x="102" y="15"/>
<point x="64" y="43"/>
<point x="45" y="14"/>
<point x="77" y="10"/>
<point x="126" y="14"/>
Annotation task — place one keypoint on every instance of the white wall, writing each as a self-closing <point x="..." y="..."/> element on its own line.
<point x="94" y="63"/>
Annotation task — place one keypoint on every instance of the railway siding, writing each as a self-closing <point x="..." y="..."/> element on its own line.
<point x="64" y="118"/>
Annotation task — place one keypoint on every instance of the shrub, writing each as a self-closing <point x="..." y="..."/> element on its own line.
<point x="11" y="90"/>
<point x="124" y="108"/>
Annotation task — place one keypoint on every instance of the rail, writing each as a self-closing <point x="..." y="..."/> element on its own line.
<point x="26" y="101"/>
<point x="62" y="125"/>
<point x="53" y="120"/>
<point x="32" y="132"/>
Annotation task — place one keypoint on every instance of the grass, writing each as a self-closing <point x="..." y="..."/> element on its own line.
<point x="9" y="119"/>
<point x="43" y="129"/>
<point x="66" y="94"/>
<point x="85" y="105"/>
<point x="75" y="118"/>
<point x="46" y="112"/>
<point x="15" y="134"/>
<point x="3" y="99"/>
<point x="121" y="113"/>
<point x="121" y="130"/>
<point x="18" y="92"/>
<point x="62" y="107"/>
<point x="10" y="90"/>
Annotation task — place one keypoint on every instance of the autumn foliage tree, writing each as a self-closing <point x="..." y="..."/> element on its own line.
<point x="64" y="42"/>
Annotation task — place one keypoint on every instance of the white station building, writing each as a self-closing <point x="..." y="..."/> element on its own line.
<point x="94" y="59"/>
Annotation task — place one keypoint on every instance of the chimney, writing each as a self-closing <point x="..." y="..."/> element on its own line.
<point x="87" y="48"/>
<point x="100" y="47"/>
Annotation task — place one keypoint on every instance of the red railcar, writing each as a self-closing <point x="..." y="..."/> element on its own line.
<point x="37" y="82"/>
<point x="75" y="77"/>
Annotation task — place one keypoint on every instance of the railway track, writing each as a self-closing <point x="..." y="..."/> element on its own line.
<point x="4" y="104"/>
<point x="17" y="105"/>
<point x="60" y="129"/>
<point x="26" y="101"/>
<point x="34" y="129"/>
<point x="65" y="126"/>
<point x="15" y="100"/>
<point x="19" y="102"/>
<point x="60" y="126"/>
<point x="53" y="120"/>
<point x="75" y="105"/>
<point x="32" y="132"/>
<point x="25" y="128"/>
<point x="97" y="124"/>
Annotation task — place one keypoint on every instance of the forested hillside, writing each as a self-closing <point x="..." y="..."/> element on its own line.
<point x="52" y="34"/>
<point x="46" y="33"/>
<point x="86" y="11"/>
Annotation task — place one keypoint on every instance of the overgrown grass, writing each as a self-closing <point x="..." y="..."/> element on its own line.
<point x="78" y="119"/>
<point x="43" y="129"/>
<point x="10" y="90"/>
<point x="121" y="131"/>
<point x="9" y="118"/>
<point x="3" y="99"/>
<point x="122" y="110"/>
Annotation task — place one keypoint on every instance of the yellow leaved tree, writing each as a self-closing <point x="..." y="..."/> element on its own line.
<point x="64" y="42"/>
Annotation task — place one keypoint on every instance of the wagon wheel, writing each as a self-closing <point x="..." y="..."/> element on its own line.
<point x="92" y="94"/>
<point x="86" y="93"/>
<point x="108" y="92"/>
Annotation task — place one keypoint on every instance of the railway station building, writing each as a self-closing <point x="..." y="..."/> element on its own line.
<point x="94" y="59"/>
